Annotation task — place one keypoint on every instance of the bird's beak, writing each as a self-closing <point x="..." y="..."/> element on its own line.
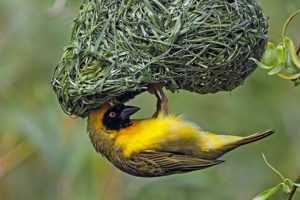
<point x="128" y="111"/>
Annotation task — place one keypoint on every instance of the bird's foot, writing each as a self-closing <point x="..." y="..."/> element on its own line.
<point x="162" y="104"/>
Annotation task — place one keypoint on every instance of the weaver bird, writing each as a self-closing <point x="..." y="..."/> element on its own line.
<point x="159" y="146"/>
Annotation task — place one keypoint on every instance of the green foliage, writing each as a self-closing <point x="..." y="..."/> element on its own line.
<point x="285" y="185"/>
<point x="267" y="194"/>
<point x="282" y="59"/>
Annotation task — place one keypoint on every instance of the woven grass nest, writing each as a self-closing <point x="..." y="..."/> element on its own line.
<point x="119" y="47"/>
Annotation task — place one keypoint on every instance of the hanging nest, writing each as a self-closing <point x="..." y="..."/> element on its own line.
<point x="119" y="47"/>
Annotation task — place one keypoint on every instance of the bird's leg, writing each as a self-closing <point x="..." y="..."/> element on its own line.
<point x="162" y="100"/>
<point x="164" y="105"/>
<point x="158" y="104"/>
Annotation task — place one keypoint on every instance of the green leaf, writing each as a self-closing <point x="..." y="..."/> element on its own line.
<point x="292" y="50"/>
<point x="297" y="184"/>
<point x="288" y="76"/>
<point x="261" y="65"/>
<point x="290" y="67"/>
<point x="277" y="69"/>
<point x="268" y="193"/>
<point x="280" y="49"/>
<point x="271" y="55"/>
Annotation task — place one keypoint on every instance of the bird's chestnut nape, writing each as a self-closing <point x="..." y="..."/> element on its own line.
<point x="118" y="116"/>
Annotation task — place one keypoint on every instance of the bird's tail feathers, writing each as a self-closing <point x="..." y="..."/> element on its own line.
<point x="232" y="142"/>
<point x="255" y="137"/>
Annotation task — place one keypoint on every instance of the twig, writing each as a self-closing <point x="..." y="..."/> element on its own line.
<point x="294" y="188"/>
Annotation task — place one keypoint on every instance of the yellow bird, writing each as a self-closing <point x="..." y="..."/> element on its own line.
<point x="158" y="146"/>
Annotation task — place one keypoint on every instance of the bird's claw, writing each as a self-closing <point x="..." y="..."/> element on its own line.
<point x="162" y="100"/>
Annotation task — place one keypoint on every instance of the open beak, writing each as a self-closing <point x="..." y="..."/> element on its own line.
<point x="128" y="111"/>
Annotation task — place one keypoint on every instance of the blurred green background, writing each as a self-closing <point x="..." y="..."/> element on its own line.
<point x="45" y="154"/>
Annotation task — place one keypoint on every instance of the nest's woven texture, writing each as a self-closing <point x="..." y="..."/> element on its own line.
<point x="119" y="47"/>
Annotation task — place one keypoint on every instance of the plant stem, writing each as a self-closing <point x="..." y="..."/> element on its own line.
<point x="294" y="188"/>
<point x="288" y="22"/>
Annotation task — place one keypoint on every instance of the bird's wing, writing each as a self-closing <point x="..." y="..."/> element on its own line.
<point x="173" y="162"/>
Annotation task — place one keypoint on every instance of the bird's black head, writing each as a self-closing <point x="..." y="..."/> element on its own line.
<point x="118" y="116"/>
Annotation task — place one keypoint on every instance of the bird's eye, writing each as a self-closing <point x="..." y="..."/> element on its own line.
<point x="112" y="114"/>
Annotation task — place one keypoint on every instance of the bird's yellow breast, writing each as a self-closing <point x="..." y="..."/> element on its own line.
<point x="164" y="133"/>
<point x="152" y="134"/>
